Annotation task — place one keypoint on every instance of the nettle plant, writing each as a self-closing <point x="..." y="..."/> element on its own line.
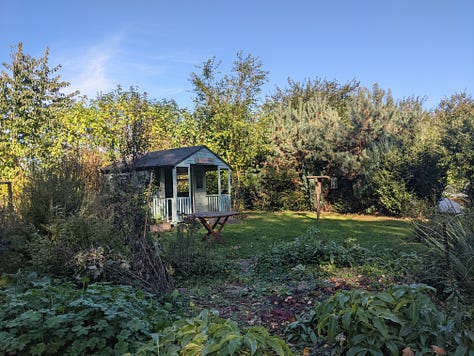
<point x="359" y="323"/>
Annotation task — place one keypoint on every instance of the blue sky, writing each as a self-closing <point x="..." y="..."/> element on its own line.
<point x="422" y="48"/>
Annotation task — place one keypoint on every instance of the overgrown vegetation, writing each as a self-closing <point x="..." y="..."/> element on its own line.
<point x="207" y="334"/>
<point x="352" y="286"/>
<point x="41" y="317"/>
<point x="387" y="322"/>
<point x="451" y="242"/>
<point x="187" y="257"/>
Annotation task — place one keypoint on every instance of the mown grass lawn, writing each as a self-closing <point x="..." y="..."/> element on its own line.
<point x="256" y="232"/>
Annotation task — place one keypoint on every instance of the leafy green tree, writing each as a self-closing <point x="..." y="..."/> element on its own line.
<point x="31" y="105"/>
<point x="225" y="110"/>
<point x="115" y="117"/>
<point x="455" y="116"/>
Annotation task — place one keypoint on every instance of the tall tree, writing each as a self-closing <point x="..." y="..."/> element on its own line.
<point x="306" y="133"/>
<point x="31" y="104"/>
<point x="304" y="137"/>
<point x="115" y="117"/>
<point x="225" y="110"/>
<point x="456" y="118"/>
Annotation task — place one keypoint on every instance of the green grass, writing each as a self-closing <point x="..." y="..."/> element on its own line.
<point x="256" y="232"/>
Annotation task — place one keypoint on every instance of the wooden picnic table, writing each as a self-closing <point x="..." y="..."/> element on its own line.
<point x="220" y="217"/>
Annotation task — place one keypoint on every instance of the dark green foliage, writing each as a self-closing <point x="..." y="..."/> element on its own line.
<point x="309" y="250"/>
<point x="45" y="318"/>
<point x="312" y="250"/>
<point x="207" y="334"/>
<point x="455" y="116"/>
<point x="14" y="252"/>
<point x="361" y="323"/>
<point x="280" y="190"/>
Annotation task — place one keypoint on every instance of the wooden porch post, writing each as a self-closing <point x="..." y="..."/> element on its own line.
<point x="219" y="188"/>
<point x="174" y="201"/>
<point x="190" y="187"/>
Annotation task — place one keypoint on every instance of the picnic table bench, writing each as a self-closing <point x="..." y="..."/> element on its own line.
<point x="220" y="217"/>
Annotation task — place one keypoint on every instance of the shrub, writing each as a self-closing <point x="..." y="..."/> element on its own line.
<point x="14" y="252"/>
<point x="381" y="323"/>
<point x="207" y="334"/>
<point x="309" y="250"/>
<point x="59" y="319"/>
<point x="67" y="238"/>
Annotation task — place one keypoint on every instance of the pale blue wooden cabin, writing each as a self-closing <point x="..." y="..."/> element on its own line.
<point x="184" y="181"/>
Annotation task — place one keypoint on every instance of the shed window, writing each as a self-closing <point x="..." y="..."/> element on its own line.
<point x="183" y="181"/>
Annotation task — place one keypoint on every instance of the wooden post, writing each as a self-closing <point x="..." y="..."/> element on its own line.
<point x="219" y="189"/>
<point x="10" y="196"/>
<point x="228" y="189"/>
<point x="174" y="201"/>
<point x="190" y="187"/>
<point x="318" y="188"/>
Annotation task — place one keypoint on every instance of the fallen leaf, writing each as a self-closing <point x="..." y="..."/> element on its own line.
<point x="306" y="351"/>
<point x="407" y="352"/>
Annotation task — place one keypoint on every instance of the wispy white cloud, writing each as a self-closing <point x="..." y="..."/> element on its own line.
<point x="101" y="66"/>
<point x="90" y="70"/>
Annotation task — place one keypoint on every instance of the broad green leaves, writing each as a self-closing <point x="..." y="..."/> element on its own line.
<point x="62" y="320"/>
<point x="207" y="334"/>
<point x="365" y="323"/>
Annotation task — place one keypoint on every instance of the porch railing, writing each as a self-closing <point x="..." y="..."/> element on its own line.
<point x="184" y="205"/>
<point x="161" y="208"/>
<point x="216" y="202"/>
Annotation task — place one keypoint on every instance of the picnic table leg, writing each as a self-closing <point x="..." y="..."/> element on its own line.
<point x="221" y="224"/>
<point x="216" y="235"/>
<point x="212" y="234"/>
<point x="207" y="226"/>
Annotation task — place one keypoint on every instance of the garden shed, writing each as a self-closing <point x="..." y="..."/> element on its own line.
<point x="184" y="181"/>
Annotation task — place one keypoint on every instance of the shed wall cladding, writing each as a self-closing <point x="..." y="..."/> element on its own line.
<point x="204" y="156"/>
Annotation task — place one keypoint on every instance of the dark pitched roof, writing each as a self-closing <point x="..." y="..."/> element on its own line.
<point x="166" y="158"/>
